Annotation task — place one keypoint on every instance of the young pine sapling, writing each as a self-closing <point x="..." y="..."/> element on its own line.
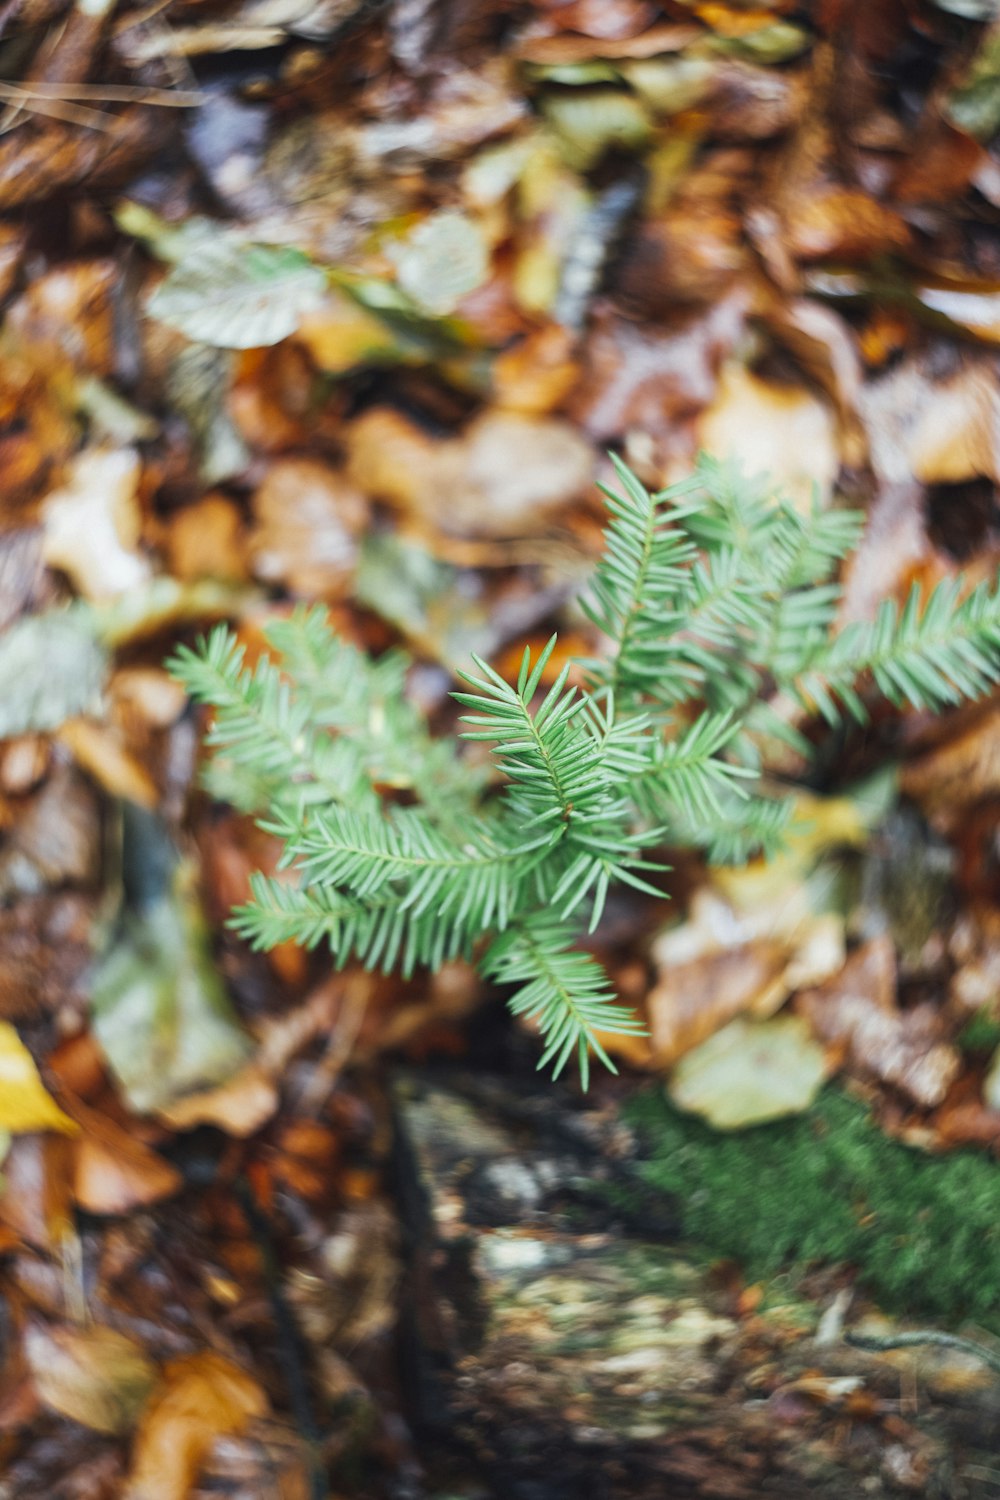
<point x="715" y="601"/>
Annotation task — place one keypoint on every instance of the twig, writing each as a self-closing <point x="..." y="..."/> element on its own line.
<point x="290" y="1352"/>
<point x="925" y="1336"/>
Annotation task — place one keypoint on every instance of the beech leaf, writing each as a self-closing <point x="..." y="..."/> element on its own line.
<point x="239" y="296"/>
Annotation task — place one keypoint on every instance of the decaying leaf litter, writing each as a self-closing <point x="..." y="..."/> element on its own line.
<point x="346" y="302"/>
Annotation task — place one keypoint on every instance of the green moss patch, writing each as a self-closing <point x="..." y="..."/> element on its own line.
<point x="827" y="1186"/>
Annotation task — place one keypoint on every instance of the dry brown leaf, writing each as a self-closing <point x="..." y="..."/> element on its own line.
<point x="201" y="1397"/>
<point x="113" y="1170"/>
<point x="693" y="253"/>
<point x="308" y="517"/>
<point x="825" y="347"/>
<point x="239" y="1106"/>
<point x="842" y="223"/>
<point x="652" y="380"/>
<point x="93" y="1375"/>
<point x="469" y="486"/>
<point x="205" y="540"/>
<point x="956" y="429"/>
<point x="97" y="749"/>
<point x="856" y="1011"/>
<point x="783" y="431"/>
<point x="536" y="374"/>
<point x="949" y="778"/>
<point x="691" y="1001"/>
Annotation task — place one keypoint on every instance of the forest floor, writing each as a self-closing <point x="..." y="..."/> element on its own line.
<point x="769" y="231"/>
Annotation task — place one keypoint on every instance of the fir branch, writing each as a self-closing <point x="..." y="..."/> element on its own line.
<point x="929" y="655"/>
<point x="710" y="594"/>
<point x="565" y="992"/>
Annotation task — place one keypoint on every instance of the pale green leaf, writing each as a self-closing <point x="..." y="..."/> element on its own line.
<point x="51" y="669"/>
<point x="750" y="1072"/>
<point x="238" y="296"/>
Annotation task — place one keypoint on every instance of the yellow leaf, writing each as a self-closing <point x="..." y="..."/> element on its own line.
<point x="24" y="1103"/>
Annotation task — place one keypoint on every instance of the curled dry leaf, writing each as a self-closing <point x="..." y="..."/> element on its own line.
<point x="239" y="1106"/>
<point x="113" y="1171"/>
<point x="842" y="223"/>
<point x="98" y="750"/>
<point x="92" y="523"/>
<point x="94" y="1375"/>
<point x="202" y="1396"/>
<point x="856" y="1012"/>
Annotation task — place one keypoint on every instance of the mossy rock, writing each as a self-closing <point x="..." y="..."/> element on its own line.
<point x="828" y="1186"/>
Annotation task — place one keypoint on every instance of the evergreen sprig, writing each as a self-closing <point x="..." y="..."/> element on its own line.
<point x="713" y="601"/>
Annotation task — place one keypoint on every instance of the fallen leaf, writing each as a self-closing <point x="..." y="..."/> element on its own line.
<point x="239" y="1106"/>
<point x="113" y="1171"/>
<point x="537" y="373"/>
<point x="692" y="1000"/>
<point x="842" y="223"/>
<point x="92" y="524"/>
<point x="749" y="1073"/>
<point x="205" y="540"/>
<point x="160" y="1010"/>
<point x="98" y="750"/>
<point x="94" y="1376"/>
<point x="201" y="1397"/>
<point x="440" y="261"/>
<point x="51" y="668"/>
<point x="25" y="1104"/>
<point x="783" y="431"/>
<point x="949" y="778"/>
<point x="856" y="1011"/>
<point x="238" y="296"/>
<point x="467" y="486"/>
<point x="308" y="517"/>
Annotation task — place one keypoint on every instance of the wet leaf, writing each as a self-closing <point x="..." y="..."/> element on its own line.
<point x="238" y="296"/>
<point x="202" y="1397"/>
<point x="160" y="1010"/>
<point x="750" y="1073"/>
<point x="51" y="668"/>
<point x="94" y="1376"/>
<point x="440" y="261"/>
<point x="25" y="1103"/>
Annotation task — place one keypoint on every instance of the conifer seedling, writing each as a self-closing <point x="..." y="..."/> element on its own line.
<point x="714" y="600"/>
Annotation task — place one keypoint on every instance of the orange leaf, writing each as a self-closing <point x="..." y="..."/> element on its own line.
<point x="203" y="1396"/>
